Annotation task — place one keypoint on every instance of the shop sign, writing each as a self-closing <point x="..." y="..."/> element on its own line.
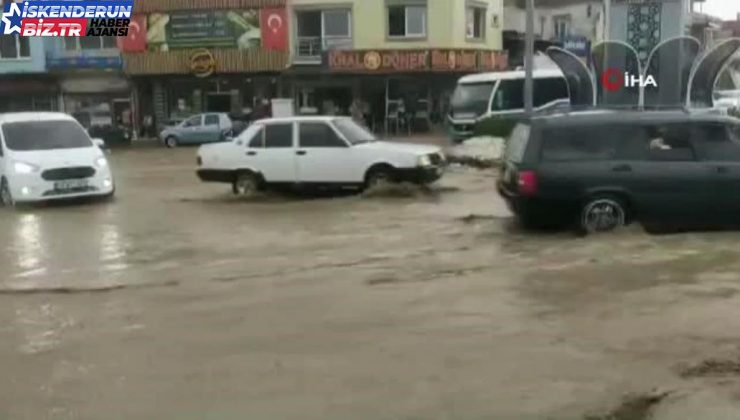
<point x="409" y="61"/>
<point x="578" y="45"/>
<point x="83" y="62"/>
<point x="202" y="63"/>
<point x="204" y="28"/>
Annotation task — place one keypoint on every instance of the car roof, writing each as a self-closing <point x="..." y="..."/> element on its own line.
<point x="316" y="118"/>
<point x="602" y="116"/>
<point x="12" y="117"/>
<point x="508" y="75"/>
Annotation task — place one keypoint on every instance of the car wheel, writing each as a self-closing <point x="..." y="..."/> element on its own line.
<point x="378" y="176"/>
<point x="171" y="142"/>
<point x="246" y="184"/>
<point x="6" y="198"/>
<point x="603" y="213"/>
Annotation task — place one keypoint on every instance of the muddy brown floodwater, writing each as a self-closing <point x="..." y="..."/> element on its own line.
<point x="177" y="301"/>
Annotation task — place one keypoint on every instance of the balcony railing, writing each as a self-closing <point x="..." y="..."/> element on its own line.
<point x="310" y="48"/>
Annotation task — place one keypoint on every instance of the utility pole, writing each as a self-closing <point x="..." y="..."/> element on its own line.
<point x="529" y="60"/>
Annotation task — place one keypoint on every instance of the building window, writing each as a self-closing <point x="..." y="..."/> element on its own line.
<point x="14" y="47"/>
<point x="562" y="26"/>
<point x="407" y="21"/>
<point x="320" y="30"/>
<point x="86" y="43"/>
<point x="476" y="23"/>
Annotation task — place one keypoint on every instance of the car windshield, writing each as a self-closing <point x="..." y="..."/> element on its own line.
<point x="45" y="135"/>
<point x="471" y="100"/>
<point x="355" y="133"/>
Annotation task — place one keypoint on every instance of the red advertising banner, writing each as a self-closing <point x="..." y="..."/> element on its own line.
<point x="274" y="25"/>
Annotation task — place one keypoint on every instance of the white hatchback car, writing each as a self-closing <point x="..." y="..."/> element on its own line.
<point x="48" y="155"/>
<point x="327" y="151"/>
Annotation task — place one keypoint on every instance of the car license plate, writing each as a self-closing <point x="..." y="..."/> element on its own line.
<point x="72" y="184"/>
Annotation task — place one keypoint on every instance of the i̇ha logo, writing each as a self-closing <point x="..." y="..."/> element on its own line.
<point x="613" y="80"/>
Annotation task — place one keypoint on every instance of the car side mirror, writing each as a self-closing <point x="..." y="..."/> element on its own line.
<point x="99" y="143"/>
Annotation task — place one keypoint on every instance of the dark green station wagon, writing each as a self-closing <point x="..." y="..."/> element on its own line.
<point x="603" y="169"/>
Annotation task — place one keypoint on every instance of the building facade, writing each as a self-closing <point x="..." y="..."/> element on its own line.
<point x="24" y="82"/>
<point x="400" y="59"/>
<point x="196" y="56"/>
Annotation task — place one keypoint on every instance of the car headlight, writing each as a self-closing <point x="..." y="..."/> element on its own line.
<point x="101" y="162"/>
<point x="424" y="161"/>
<point x="24" y="168"/>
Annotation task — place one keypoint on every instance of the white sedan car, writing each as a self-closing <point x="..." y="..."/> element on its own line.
<point x="48" y="155"/>
<point x="326" y="151"/>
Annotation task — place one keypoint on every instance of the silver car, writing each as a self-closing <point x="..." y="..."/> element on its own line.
<point x="202" y="128"/>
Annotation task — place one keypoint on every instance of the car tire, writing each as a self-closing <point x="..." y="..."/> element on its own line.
<point x="378" y="176"/>
<point x="6" y="198"/>
<point x="171" y="142"/>
<point x="246" y="184"/>
<point x="603" y="213"/>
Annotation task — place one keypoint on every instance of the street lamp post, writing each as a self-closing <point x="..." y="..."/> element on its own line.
<point x="529" y="60"/>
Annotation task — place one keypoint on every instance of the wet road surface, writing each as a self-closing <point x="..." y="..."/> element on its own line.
<point x="178" y="301"/>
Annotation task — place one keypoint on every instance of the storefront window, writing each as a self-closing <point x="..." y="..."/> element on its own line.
<point x="14" y="47"/>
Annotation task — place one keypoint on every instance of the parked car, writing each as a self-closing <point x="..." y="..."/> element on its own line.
<point x="327" y="151"/>
<point x="46" y="156"/>
<point x="601" y="170"/>
<point x="198" y="129"/>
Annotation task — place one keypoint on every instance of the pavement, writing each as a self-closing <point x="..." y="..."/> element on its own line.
<point x="179" y="301"/>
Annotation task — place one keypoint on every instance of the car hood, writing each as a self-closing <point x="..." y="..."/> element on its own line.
<point x="411" y="148"/>
<point x="58" y="158"/>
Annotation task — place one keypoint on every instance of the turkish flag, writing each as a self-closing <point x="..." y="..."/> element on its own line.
<point x="274" y="24"/>
<point x="136" y="39"/>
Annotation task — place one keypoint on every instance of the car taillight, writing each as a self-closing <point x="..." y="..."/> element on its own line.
<point x="527" y="183"/>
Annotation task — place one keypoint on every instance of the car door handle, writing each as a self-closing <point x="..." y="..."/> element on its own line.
<point x="722" y="169"/>
<point x="622" y="168"/>
<point x="251" y="153"/>
<point x="300" y="152"/>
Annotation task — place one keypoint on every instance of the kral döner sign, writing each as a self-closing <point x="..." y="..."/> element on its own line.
<point x="392" y="61"/>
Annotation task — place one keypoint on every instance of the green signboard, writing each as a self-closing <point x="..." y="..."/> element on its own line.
<point x="204" y="28"/>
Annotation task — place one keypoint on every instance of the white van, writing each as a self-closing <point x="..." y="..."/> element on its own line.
<point x="48" y="155"/>
<point x="501" y="94"/>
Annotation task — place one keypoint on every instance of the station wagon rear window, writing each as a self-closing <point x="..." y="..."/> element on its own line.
<point x="517" y="144"/>
<point x="44" y="135"/>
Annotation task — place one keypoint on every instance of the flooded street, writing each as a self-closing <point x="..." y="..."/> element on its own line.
<point x="178" y="301"/>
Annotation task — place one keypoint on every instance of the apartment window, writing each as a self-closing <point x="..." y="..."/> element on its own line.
<point x="319" y="30"/>
<point x="476" y="23"/>
<point x="562" y="26"/>
<point x="407" y="21"/>
<point x="86" y="43"/>
<point x="14" y="47"/>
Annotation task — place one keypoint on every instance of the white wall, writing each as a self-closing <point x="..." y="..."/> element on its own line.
<point x="581" y="24"/>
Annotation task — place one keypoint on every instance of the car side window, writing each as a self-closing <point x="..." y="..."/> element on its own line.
<point x="212" y="120"/>
<point x="193" y="121"/>
<point x="549" y="90"/>
<point x="319" y="135"/>
<point x="715" y="142"/>
<point x="564" y="144"/>
<point x="509" y="95"/>
<point x="257" y="140"/>
<point x="279" y="135"/>
<point x="670" y="142"/>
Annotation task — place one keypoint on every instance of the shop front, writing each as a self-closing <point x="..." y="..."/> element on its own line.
<point x="394" y="91"/>
<point x="193" y="61"/>
<point x="28" y="93"/>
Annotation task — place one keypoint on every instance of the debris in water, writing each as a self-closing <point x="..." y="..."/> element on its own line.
<point x="711" y="367"/>
<point x="633" y="407"/>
